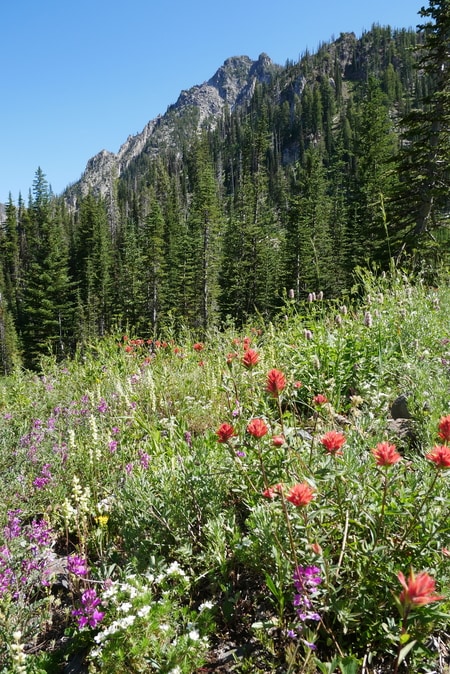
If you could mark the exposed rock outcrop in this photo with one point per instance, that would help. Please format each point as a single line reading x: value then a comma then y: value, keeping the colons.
x: 232, y: 84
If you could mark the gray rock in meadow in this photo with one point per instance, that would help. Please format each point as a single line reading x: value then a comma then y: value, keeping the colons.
x: 399, y: 408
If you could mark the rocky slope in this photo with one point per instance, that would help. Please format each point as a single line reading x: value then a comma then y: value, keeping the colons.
x: 231, y: 85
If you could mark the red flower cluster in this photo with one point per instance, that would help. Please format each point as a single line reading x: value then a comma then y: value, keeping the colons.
x: 444, y: 428
x: 250, y: 358
x: 278, y: 440
x: 276, y: 382
x: 320, y: 399
x: 225, y: 432
x: 246, y: 343
x: 271, y: 492
x: 257, y: 428
x: 300, y: 494
x: 440, y: 456
x: 386, y: 454
x: 417, y: 590
x: 198, y: 346
x: 333, y: 441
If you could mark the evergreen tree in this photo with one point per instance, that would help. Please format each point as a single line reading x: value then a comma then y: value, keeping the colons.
x: 374, y: 180
x: 308, y: 247
x: 91, y: 266
x: 203, y: 243
x: 425, y: 157
x: 9, y: 344
x: 154, y: 264
x: 47, y: 312
x: 10, y: 257
x: 129, y: 295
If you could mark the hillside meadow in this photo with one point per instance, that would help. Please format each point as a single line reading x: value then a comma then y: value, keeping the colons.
x: 271, y: 499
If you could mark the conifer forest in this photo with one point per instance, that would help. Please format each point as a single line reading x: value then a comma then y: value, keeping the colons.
x: 287, y: 194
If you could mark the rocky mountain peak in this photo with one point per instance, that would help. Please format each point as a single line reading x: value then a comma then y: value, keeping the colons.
x: 231, y: 85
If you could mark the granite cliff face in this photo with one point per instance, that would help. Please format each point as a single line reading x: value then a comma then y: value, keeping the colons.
x: 231, y: 85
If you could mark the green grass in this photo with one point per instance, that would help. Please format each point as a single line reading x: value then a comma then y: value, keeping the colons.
x: 113, y: 457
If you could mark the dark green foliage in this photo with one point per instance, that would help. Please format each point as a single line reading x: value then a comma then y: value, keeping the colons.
x: 46, y: 313
x: 91, y: 263
x: 424, y: 163
x: 9, y: 345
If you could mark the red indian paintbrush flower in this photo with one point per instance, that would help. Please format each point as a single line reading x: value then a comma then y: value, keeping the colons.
x: 444, y: 428
x: 271, y: 492
x: 278, y: 440
x: 300, y: 494
x: 257, y: 428
x: 417, y: 590
x: 250, y: 358
x: 198, y: 346
x: 440, y: 456
x: 276, y: 382
x: 225, y: 432
x: 386, y: 454
x: 320, y: 399
x: 333, y: 441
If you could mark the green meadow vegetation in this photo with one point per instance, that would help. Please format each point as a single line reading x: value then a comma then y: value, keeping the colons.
x: 243, y: 503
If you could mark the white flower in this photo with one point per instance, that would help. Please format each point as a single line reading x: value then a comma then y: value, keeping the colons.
x: 205, y: 605
x: 125, y: 607
x: 143, y: 611
x: 194, y: 635
x: 127, y: 621
x: 175, y: 569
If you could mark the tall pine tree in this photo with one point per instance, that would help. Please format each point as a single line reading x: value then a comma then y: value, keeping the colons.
x: 425, y: 157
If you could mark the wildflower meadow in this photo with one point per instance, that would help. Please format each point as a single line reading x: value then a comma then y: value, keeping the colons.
x: 238, y: 501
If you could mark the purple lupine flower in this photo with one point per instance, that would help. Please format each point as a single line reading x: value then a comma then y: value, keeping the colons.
x: 77, y: 565
x: 40, y: 532
x: 88, y: 614
x: 306, y: 580
x: 112, y: 445
x: 7, y: 580
x: 310, y: 645
x: 51, y: 422
x: 44, y: 478
x: 13, y: 528
x: 102, y: 407
x: 144, y: 459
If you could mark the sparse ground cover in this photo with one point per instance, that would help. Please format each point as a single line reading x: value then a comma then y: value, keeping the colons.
x: 242, y: 503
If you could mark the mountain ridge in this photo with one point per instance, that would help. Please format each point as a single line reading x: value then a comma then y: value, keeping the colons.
x: 231, y: 85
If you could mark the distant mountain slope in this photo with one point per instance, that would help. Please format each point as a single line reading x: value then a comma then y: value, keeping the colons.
x: 232, y: 85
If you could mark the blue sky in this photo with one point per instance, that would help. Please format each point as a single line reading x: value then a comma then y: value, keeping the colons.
x: 79, y: 77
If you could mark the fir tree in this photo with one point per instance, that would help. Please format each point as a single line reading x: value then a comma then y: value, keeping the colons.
x: 47, y: 311
x: 425, y: 157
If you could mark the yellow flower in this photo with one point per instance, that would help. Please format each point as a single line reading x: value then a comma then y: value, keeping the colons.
x: 102, y: 520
